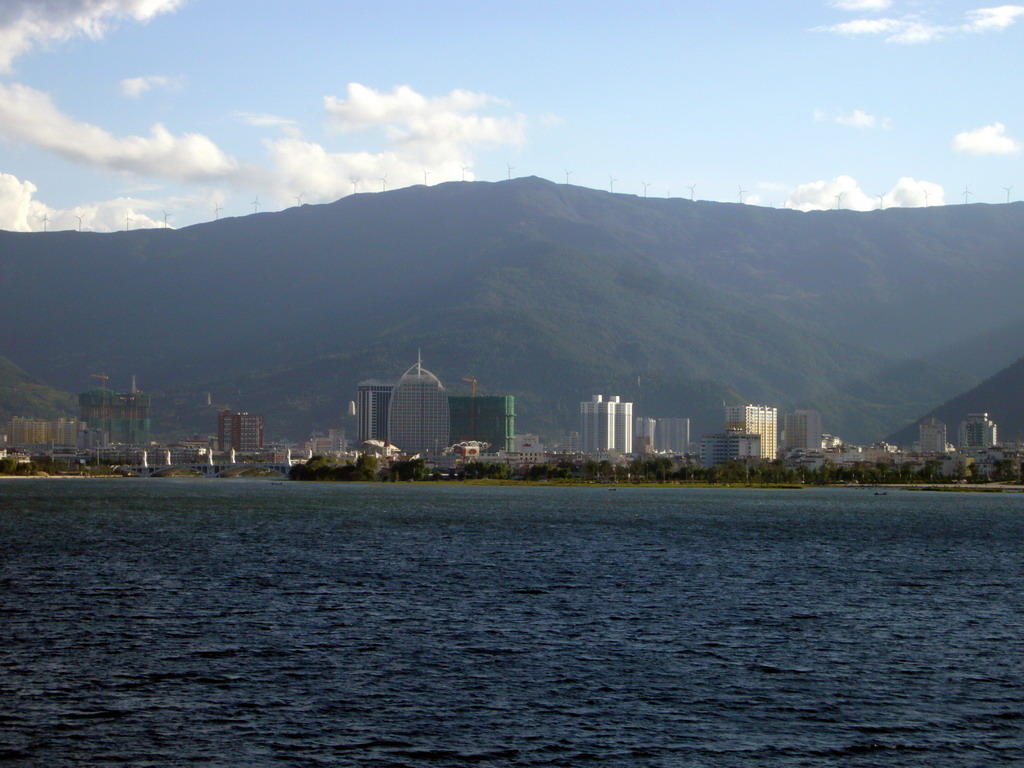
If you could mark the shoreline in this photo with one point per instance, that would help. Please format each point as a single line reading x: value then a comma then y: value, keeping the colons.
x: 879, y: 490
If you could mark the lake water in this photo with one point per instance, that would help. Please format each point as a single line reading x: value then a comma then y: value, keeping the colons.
x: 244, y: 623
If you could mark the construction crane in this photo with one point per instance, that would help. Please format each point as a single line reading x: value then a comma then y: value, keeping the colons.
x: 104, y: 411
x: 472, y: 407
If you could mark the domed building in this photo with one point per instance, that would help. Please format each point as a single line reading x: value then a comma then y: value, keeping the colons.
x: 418, y: 419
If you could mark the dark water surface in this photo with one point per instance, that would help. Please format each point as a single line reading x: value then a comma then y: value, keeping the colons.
x: 240, y: 623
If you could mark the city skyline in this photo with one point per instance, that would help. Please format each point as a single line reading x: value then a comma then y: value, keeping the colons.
x: 809, y: 107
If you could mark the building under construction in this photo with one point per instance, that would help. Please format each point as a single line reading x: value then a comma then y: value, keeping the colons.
x: 485, y: 418
x: 124, y: 416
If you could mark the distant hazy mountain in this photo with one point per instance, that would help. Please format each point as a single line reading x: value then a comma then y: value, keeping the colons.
x: 999, y: 396
x: 546, y: 291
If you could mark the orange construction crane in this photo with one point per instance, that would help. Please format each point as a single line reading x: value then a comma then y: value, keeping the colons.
x: 104, y: 411
x: 472, y: 407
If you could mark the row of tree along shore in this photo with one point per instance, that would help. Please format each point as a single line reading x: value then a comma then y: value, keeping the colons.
x: 651, y: 470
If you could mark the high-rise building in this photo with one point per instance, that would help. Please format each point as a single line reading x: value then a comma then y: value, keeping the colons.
x: 124, y: 416
x: 672, y: 435
x: 606, y: 425
x: 978, y: 431
x: 802, y: 430
x: 239, y: 431
x: 23, y: 431
x: 758, y: 420
x: 418, y: 417
x: 373, y: 400
x: 486, y: 418
x: 728, y: 446
x: 933, y: 436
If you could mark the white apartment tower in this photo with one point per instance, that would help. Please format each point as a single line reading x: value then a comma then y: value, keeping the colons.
x: 802, y: 430
x: 760, y: 420
x: 978, y: 431
x: 606, y: 425
x: 933, y: 436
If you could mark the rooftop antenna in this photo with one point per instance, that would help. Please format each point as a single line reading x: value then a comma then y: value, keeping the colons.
x: 79, y: 222
x: 384, y: 183
x: 691, y: 188
x: 568, y: 173
x: 419, y: 361
x: 967, y: 192
x: 45, y: 220
x: 298, y: 198
x: 741, y: 194
x: 611, y: 184
x: 256, y: 204
x: 1008, y: 193
x: 510, y: 169
x: 216, y: 212
x: 166, y: 214
x: 646, y: 185
x: 425, y: 174
x: 127, y: 220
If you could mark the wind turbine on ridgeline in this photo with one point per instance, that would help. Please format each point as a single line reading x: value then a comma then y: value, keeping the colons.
x: 45, y: 218
x: 927, y: 196
x: 298, y: 198
x: 839, y: 200
x: 166, y: 215
x: 881, y: 202
x: 568, y: 173
x: 464, y: 169
x: 79, y: 222
x: 256, y: 204
x: 510, y: 169
x: 384, y: 183
x: 741, y: 194
x: 611, y: 184
x: 646, y: 185
x: 691, y: 188
x: 355, y: 183
x: 1007, y: 190
x: 216, y: 212
x: 127, y: 221
x: 425, y: 174
x: 967, y: 193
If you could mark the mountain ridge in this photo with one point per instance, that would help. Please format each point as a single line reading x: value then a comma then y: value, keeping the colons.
x: 511, y: 282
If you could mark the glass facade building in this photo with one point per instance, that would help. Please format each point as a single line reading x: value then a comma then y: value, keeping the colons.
x: 486, y: 418
x: 418, y: 416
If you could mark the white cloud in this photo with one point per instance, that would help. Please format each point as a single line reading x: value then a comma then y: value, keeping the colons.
x: 21, y: 212
x: 30, y: 116
x: 25, y: 23
x: 844, y: 192
x: 913, y: 29
x: 429, y: 130
x: 987, y: 140
x: 18, y: 211
x: 134, y: 87
x: 858, y: 118
x: 993, y: 19
x: 861, y: 5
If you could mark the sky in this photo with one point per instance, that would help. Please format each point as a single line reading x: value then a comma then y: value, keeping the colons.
x: 124, y: 114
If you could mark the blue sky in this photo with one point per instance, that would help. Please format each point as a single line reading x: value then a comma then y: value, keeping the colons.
x: 130, y: 109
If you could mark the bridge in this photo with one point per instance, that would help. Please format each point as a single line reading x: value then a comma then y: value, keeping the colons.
x: 209, y: 468
x: 217, y: 469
